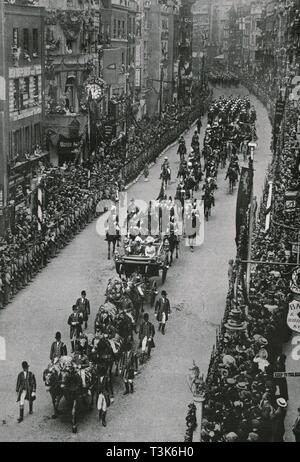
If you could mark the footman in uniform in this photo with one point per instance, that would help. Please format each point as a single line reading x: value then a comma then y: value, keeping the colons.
x: 26, y: 389
x: 83, y: 305
x: 146, y: 334
x: 75, y: 321
x: 58, y: 348
x: 162, y: 311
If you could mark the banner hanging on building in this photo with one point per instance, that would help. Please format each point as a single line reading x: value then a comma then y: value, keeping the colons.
x: 243, y: 199
x: 112, y: 59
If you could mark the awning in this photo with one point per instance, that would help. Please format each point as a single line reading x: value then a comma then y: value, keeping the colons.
x: 219, y: 57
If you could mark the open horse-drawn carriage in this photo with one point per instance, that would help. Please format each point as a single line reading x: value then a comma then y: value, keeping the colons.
x: 129, y: 262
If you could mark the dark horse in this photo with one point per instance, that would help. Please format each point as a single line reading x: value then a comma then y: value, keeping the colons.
x: 52, y: 379
x: 68, y: 383
x: 74, y: 392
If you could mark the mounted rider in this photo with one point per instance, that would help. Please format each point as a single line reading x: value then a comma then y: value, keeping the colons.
x: 165, y: 165
x: 181, y: 148
x: 195, y: 140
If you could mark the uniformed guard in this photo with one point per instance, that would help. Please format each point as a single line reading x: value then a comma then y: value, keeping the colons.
x: 26, y: 389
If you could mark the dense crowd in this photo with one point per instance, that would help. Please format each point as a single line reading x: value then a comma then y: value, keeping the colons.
x: 244, y: 401
x: 70, y: 195
x: 224, y: 78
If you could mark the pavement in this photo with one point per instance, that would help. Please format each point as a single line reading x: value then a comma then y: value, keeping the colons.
x: 196, y: 284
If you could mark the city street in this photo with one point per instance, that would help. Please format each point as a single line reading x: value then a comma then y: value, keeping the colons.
x: 196, y: 285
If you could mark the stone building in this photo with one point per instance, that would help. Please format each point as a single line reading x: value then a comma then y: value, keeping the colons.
x: 23, y: 105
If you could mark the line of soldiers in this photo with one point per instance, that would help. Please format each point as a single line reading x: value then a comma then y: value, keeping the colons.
x: 18, y: 268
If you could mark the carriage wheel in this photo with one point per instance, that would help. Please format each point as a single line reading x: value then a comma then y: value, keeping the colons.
x: 164, y: 275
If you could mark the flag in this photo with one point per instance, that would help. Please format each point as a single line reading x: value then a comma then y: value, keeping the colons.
x: 112, y: 58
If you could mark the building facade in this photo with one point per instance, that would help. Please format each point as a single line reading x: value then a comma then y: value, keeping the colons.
x: 24, y: 104
x: 185, y: 50
x: 73, y: 44
x: 159, y: 55
x: 201, y: 11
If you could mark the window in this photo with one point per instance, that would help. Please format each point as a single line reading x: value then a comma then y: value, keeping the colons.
x: 123, y: 57
x: 26, y: 40
x: 16, y: 37
x: 21, y: 94
x: 133, y: 25
x: 37, y: 134
x: 27, y: 139
x: 123, y: 29
x: 25, y: 92
x: 69, y: 45
x: 35, y: 88
x: 35, y: 41
x: 119, y: 29
x: 115, y: 28
x: 17, y: 142
x: 129, y: 25
x: 16, y: 95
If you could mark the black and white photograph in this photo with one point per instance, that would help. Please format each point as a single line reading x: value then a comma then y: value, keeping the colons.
x: 149, y: 223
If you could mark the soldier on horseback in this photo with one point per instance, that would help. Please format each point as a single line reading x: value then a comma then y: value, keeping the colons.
x: 181, y: 148
x: 165, y: 174
x: 195, y: 141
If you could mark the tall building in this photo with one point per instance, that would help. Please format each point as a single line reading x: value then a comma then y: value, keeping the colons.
x: 22, y: 102
x: 159, y: 54
x: 73, y: 43
x: 119, y: 63
x: 3, y: 124
x: 185, y: 68
x: 201, y: 11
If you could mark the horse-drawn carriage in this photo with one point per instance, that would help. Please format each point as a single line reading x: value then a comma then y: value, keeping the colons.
x: 129, y: 262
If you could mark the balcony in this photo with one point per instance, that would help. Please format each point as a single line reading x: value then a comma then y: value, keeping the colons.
x: 17, y: 165
x: 65, y: 124
x: 104, y: 39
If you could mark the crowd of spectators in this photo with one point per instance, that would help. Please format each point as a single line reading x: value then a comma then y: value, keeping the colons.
x: 244, y: 400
